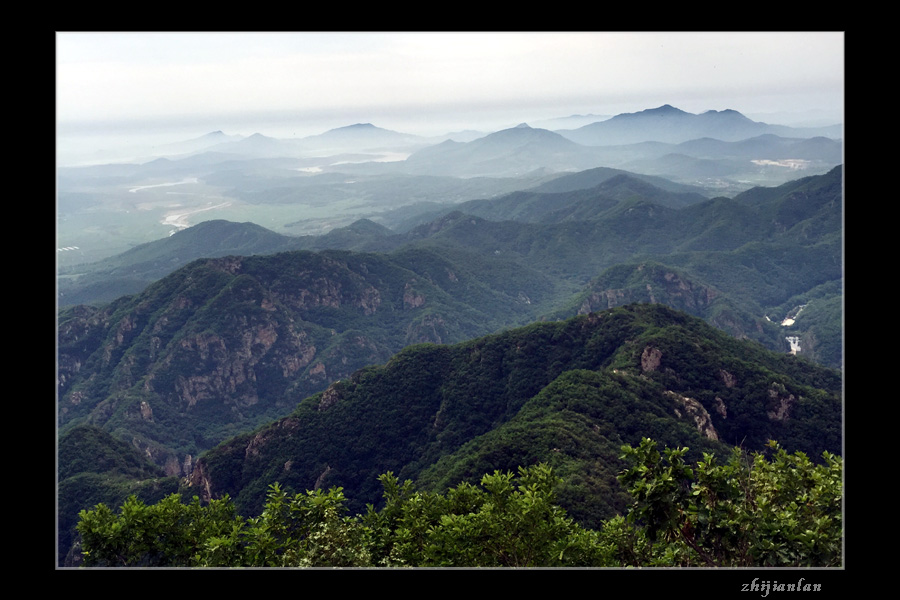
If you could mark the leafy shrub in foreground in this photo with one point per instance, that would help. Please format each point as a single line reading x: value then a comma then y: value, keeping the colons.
x: 782, y: 510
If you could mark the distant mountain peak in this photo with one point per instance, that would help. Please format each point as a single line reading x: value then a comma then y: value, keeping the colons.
x: 728, y: 112
x: 522, y: 126
x: 211, y: 136
x: 355, y: 126
x: 666, y: 109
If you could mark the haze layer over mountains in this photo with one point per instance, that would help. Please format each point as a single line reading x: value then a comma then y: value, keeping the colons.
x: 317, y: 183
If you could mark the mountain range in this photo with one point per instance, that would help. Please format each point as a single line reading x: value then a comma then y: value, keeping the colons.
x: 256, y: 333
x: 673, y: 145
x: 671, y: 125
x: 566, y: 393
x: 513, y: 298
x: 665, y: 124
x: 316, y: 184
x: 132, y: 270
x: 613, y: 142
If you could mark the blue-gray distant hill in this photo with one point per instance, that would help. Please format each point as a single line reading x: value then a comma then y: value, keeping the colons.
x: 509, y: 152
x: 361, y: 137
x: 672, y: 125
x: 724, y: 147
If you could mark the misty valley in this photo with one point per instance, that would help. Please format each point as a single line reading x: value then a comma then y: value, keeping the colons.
x: 237, y: 312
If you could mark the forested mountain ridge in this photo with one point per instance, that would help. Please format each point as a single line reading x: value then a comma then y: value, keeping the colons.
x: 266, y: 326
x: 303, y: 319
x: 223, y: 344
x: 619, y: 217
x: 567, y: 393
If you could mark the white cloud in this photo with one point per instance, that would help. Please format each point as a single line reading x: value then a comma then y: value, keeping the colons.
x: 146, y: 75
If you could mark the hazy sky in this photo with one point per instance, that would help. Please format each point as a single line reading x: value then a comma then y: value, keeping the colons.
x: 428, y: 83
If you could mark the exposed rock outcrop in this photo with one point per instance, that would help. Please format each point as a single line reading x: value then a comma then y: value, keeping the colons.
x: 695, y: 411
x: 651, y: 358
x: 780, y: 402
x: 330, y: 396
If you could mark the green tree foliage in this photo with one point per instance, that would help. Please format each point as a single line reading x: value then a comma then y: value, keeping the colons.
x: 301, y: 531
x: 509, y: 521
x: 306, y: 530
x: 166, y: 534
x: 781, y: 510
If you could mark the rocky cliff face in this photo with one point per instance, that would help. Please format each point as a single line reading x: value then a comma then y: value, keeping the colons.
x: 225, y: 344
x: 697, y: 413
